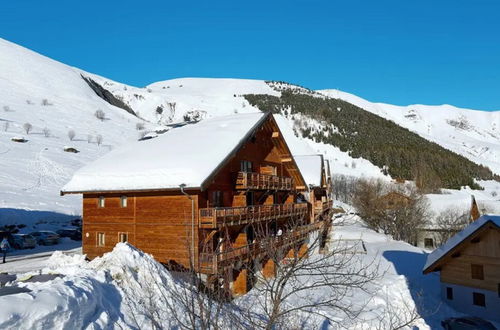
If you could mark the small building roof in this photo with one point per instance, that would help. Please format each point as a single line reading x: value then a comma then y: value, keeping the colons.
x: 454, y: 242
x: 311, y: 167
x: 187, y: 155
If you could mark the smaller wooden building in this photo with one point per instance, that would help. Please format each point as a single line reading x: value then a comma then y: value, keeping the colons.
x: 469, y: 268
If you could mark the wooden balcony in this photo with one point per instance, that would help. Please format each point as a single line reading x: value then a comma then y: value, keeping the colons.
x: 230, y: 216
x: 320, y: 207
x: 212, y: 263
x: 257, y: 181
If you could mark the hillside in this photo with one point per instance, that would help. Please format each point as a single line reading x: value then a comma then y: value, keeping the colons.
x: 401, y: 152
x: 473, y: 134
x: 54, y: 99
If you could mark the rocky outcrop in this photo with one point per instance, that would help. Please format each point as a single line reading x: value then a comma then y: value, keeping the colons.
x: 107, y: 96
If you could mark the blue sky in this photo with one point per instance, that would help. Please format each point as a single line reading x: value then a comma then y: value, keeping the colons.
x: 401, y: 52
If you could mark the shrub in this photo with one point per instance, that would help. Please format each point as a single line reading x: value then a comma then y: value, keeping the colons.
x: 45, y: 102
x: 99, y: 114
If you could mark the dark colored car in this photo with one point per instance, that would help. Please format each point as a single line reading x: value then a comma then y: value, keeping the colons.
x: 24, y: 241
x: 467, y: 323
x: 45, y: 237
x: 74, y: 234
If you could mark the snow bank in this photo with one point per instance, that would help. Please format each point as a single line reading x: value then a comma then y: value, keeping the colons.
x: 92, y: 294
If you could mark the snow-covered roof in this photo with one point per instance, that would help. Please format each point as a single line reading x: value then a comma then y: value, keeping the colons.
x: 454, y: 241
x: 186, y: 155
x: 311, y: 168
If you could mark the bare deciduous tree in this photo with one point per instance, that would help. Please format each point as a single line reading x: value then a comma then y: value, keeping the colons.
x: 6, y: 108
x: 400, y: 218
x: 449, y: 222
x: 6, y: 125
x: 139, y: 126
x: 46, y: 102
x: 46, y: 132
x: 27, y: 127
x: 71, y: 134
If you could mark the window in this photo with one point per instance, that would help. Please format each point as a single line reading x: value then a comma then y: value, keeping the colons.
x: 123, y: 237
x: 100, y: 203
x: 123, y: 201
x: 428, y: 243
x: 250, y: 198
x: 449, y: 293
x: 245, y: 166
x: 478, y: 299
x: 217, y: 199
x: 100, y: 239
x: 477, y: 272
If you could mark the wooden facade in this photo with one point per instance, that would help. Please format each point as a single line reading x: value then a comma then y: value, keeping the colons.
x: 220, y: 227
x: 470, y: 272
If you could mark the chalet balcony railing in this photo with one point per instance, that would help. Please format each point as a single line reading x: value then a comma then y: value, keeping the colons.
x: 212, y: 262
x: 257, y: 181
x: 230, y: 216
x: 323, y: 206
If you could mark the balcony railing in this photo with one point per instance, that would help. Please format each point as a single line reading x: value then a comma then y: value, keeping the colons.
x: 323, y: 206
x: 212, y: 262
x: 230, y: 216
x: 257, y: 181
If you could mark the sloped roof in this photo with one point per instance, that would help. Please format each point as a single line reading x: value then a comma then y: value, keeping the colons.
x: 187, y: 155
x: 311, y: 167
x: 456, y: 240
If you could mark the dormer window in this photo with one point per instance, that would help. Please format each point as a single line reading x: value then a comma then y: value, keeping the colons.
x: 101, y: 202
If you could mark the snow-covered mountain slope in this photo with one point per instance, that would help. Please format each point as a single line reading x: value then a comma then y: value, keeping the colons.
x: 53, y: 99
x: 471, y: 133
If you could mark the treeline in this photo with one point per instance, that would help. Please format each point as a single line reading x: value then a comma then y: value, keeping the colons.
x: 400, y: 152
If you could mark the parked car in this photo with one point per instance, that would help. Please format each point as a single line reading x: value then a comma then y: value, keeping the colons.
x: 45, y: 237
x: 74, y: 234
x: 467, y: 323
x: 24, y: 241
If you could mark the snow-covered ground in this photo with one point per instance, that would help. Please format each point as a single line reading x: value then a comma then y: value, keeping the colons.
x: 109, y: 290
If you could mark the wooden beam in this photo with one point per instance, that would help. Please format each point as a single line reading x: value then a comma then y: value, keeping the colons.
x: 286, y: 160
x: 275, y: 134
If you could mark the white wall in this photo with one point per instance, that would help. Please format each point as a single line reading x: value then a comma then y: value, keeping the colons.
x: 462, y: 301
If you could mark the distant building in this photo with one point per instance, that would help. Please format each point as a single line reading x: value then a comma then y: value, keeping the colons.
x: 429, y: 237
x: 469, y: 267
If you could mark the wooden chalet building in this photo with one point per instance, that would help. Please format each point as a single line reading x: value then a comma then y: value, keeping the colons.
x: 206, y: 196
x: 469, y: 268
